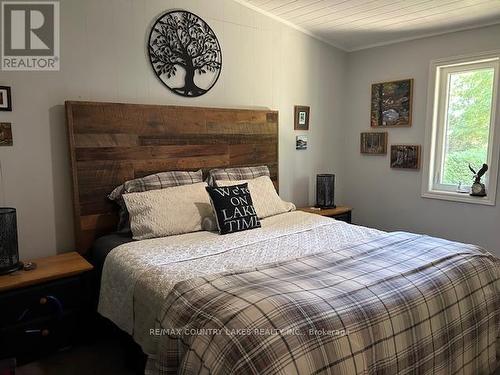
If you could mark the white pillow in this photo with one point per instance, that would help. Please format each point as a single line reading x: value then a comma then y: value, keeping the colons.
x: 264, y: 197
x: 165, y: 212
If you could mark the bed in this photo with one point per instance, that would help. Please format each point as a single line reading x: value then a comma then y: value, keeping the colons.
x: 303, y: 294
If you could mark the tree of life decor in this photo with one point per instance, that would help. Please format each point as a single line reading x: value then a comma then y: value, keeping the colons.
x: 185, y: 53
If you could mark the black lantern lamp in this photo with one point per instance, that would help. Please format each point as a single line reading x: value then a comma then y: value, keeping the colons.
x: 325, y: 191
x: 9, y: 255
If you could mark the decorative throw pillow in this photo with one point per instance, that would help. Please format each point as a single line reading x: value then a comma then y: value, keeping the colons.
x: 155, y: 181
x: 233, y: 208
x: 169, y: 211
x: 264, y: 196
x: 236, y: 174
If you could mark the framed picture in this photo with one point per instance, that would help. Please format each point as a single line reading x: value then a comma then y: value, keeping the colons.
x: 301, y: 142
x: 391, y: 104
x: 374, y: 143
x: 301, y: 116
x: 5, y: 134
x: 5, y: 99
x: 405, y: 156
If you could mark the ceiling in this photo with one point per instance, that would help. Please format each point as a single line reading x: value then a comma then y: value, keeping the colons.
x: 358, y: 24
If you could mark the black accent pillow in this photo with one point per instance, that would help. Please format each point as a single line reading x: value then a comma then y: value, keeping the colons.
x: 233, y: 208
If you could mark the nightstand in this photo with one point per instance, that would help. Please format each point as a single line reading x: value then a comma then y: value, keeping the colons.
x: 44, y: 309
x: 341, y: 213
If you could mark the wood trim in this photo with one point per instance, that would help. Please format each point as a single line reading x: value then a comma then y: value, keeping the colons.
x: 48, y: 269
x: 114, y: 142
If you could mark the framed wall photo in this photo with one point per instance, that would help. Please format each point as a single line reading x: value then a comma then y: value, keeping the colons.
x: 6, y: 134
x: 301, y: 142
x: 391, y: 104
x: 301, y: 116
x: 374, y: 143
x: 405, y: 156
x: 5, y: 99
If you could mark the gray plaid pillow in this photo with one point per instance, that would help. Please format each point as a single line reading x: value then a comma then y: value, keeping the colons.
x: 152, y: 182
x: 236, y: 174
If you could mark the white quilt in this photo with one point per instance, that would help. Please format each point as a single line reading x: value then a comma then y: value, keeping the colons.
x: 138, y: 276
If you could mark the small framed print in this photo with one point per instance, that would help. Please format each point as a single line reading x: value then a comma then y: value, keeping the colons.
x: 301, y: 142
x: 301, y: 116
x: 374, y: 143
x: 5, y: 99
x: 5, y: 134
x: 405, y: 156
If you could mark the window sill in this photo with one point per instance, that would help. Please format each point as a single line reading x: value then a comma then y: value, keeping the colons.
x: 459, y: 197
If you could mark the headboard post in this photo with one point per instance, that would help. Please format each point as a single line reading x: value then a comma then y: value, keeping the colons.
x: 112, y: 142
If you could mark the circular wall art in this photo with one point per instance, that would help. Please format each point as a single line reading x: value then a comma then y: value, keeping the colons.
x: 185, y: 53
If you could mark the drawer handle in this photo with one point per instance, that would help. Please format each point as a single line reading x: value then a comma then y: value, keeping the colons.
x: 44, y: 332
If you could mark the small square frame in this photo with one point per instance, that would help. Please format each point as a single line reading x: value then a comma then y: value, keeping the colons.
x: 5, y: 99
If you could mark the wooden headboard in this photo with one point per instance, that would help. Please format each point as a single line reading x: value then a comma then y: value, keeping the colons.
x: 111, y: 143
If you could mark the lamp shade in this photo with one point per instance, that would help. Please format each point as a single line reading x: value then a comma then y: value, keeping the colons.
x: 325, y: 190
x: 9, y: 255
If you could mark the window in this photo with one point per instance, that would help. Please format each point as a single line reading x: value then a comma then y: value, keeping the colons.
x: 461, y: 127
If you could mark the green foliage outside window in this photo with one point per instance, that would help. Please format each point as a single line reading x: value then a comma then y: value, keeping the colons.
x: 468, y: 125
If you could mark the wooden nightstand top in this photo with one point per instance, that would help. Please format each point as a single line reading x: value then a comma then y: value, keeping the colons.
x: 339, y: 210
x: 50, y: 268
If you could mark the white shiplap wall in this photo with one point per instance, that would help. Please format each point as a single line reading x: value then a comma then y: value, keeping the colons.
x: 103, y: 46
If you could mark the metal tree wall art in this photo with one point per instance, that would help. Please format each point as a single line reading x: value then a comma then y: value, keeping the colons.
x: 185, y: 53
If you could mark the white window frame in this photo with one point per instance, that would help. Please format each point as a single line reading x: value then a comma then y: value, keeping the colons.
x: 434, y: 133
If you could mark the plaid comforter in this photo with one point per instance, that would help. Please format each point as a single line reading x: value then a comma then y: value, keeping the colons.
x: 398, y: 304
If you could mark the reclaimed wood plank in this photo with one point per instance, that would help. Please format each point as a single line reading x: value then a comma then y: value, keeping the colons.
x: 114, y: 142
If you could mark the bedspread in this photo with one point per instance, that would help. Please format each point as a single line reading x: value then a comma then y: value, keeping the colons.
x: 138, y: 276
x: 395, y: 304
x: 306, y: 294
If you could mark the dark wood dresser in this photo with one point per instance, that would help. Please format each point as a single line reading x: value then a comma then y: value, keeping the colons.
x: 45, y: 309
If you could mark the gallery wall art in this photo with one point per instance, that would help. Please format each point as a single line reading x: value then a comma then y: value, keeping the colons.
x: 405, y: 156
x: 301, y: 117
x: 391, y: 104
x: 374, y: 143
x: 301, y: 142
x: 6, y: 134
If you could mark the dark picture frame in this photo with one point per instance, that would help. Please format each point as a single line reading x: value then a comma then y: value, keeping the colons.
x: 392, y: 104
x: 374, y: 143
x: 301, y: 117
x: 406, y: 156
x: 5, y: 99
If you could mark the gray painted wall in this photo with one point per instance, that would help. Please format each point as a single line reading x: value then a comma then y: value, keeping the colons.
x: 390, y: 199
x: 266, y: 64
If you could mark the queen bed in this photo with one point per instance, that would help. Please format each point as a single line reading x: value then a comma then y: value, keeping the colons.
x: 302, y: 294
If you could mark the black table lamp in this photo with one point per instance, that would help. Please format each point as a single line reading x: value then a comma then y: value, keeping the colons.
x: 9, y: 255
x: 325, y: 191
